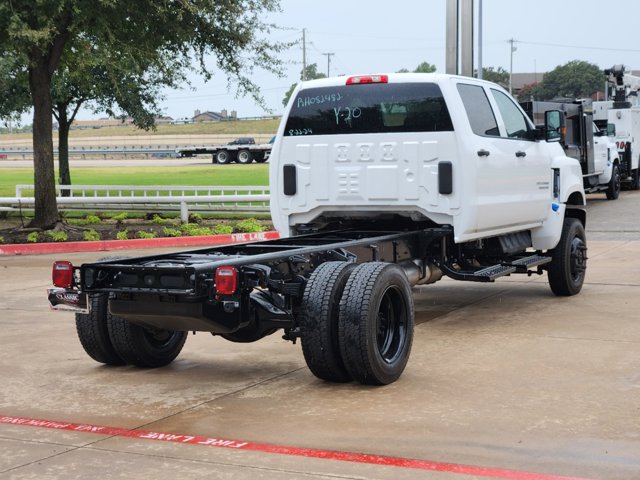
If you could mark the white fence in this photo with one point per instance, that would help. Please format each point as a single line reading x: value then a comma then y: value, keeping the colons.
x: 183, y: 199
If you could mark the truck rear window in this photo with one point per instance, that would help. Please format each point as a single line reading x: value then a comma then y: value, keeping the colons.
x: 369, y: 108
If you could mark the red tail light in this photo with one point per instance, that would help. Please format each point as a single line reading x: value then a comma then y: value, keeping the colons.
x: 226, y: 280
x: 62, y: 274
x: 367, y: 79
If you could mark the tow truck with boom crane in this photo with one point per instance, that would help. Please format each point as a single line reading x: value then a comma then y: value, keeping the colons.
x: 622, y: 114
x: 378, y: 183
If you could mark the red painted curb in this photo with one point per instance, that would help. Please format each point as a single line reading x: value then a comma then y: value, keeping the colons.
x: 108, y: 245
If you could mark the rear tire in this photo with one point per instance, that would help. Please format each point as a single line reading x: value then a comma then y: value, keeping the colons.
x: 319, y: 321
x: 93, y: 332
x: 613, y: 190
x: 144, y: 347
x: 223, y: 157
x: 568, y: 267
x: 244, y: 157
x: 376, y: 323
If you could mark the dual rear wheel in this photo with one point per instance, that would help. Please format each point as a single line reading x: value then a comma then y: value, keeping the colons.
x: 112, y: 340
x: 357, y: 322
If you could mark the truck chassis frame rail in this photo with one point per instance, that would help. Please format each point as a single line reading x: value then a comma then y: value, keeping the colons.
x: 246, y: 292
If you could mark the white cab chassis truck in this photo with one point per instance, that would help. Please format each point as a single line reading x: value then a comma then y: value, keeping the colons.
x: 379, y: 183
x: 584, y: 141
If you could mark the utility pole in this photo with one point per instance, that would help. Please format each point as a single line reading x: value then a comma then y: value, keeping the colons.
x: 513, y: 49
x: 328, y: 63
x: 304, y: 54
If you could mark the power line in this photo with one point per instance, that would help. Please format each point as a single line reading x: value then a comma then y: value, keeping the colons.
x: 558, y: 45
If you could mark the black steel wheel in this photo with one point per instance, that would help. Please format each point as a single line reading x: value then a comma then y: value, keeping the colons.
x: 223, y: 157
x: 142, y: 346
x: 244, y: 157
x: 319, y: 321
x: 376, y: 323
x: 93, y: 332
x: 568, y: 267
x: 613, y: 190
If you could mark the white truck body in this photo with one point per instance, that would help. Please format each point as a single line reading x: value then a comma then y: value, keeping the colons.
x: 502, y: 180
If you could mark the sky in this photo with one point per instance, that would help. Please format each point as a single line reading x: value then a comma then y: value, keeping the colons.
x: 376, y: 36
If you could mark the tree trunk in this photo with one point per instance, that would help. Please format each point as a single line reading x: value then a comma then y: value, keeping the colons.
x: 64, y: 124
x: 46, y: 207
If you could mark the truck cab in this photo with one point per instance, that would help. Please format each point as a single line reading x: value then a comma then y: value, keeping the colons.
x: 439, y: 149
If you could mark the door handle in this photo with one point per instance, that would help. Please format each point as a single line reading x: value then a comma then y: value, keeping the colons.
x: 483, y: 153
x: 521, y: 154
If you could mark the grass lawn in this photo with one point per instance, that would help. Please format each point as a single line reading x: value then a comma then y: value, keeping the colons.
x: 209, y: 175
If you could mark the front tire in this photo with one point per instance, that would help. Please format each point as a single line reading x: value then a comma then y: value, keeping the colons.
x: 319, y: 321
x: 144, y: 347
x: 613, y: 190
x: 635, y: 179
x: 376, y: 323
x: 568, y: 266
x: 94, y: 334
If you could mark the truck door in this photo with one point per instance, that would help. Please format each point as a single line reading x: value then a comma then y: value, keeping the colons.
x: 513, y: 170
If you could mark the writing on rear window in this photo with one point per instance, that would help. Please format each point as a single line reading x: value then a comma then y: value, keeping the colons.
x: 300, y: 131
x: 379, y: 108
x: 306, y: 100
x: 346, y: 114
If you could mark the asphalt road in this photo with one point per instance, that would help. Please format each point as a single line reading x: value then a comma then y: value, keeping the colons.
x: 504, y: 381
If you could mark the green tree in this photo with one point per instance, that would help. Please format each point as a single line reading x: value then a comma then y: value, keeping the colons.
x: 425, y: 67
x: 178, y: 32
x: 496, y: 75
x: 14, y: 91
x: 90, y: 75
x: 574, y: 79
x: 309, y: 73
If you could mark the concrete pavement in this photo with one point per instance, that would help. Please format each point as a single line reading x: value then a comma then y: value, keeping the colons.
x: 504, y: 381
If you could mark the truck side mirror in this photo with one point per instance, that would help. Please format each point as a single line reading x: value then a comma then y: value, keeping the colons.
x: 611, y: 129
x: 552, y: 125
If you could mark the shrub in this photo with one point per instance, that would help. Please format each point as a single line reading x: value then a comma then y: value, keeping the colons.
x: 171, y: 232
x: 193, y: 230
x: 1, y: 239
x: 222, y: 229
x: 58, y: 236
x: 88, y: 220
x: 120, y: 217
x: 195, y: 218
x: 249, y: 225
x: 32, y: 237
x: 143, y: 234
x: 91, y: 236
x: 122, y: 235
x: 158, y: 220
